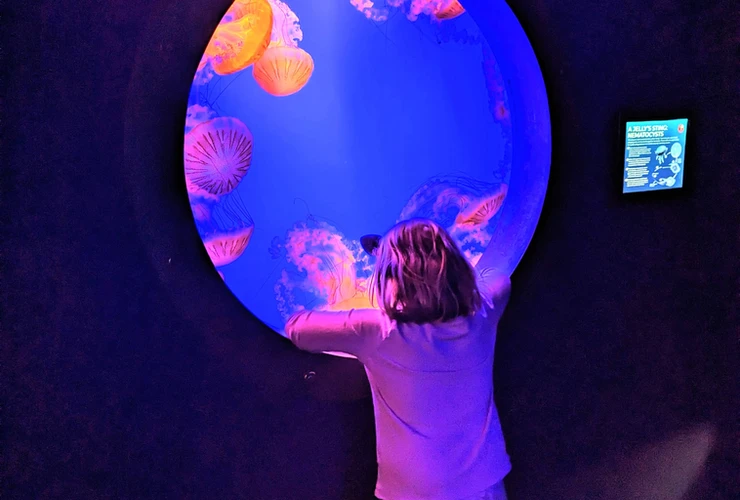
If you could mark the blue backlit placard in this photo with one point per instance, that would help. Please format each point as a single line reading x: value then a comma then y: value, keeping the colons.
x: 654, y: 155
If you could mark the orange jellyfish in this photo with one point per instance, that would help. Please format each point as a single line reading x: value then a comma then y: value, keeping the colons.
x: 284, y: 68
x: 283, y: 71
x: 246, y: 8
x: 477, y: 214
x: 449, y: 11
x: 218, y: 154
x: 359, y: 301
x: 241, y: 39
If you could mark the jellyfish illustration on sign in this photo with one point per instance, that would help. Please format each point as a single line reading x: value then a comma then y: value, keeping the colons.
x: 665, y: 175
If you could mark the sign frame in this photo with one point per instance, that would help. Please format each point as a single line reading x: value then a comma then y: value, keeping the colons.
x: 689, y: 157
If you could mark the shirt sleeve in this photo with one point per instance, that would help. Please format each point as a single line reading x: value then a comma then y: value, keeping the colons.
x: 352, y: 332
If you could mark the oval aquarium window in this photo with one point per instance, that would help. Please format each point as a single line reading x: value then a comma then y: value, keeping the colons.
x: 310, y: 124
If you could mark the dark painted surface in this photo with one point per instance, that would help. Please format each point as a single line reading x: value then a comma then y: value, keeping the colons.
x: 128, y: 369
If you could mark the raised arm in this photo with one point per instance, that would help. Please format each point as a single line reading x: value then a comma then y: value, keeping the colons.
x: 352, y: 332
x: 495, y: 288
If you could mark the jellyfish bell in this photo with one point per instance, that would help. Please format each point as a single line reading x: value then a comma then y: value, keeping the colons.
x: 482, y: 211
x: 218, y: 154
x: 449, y: 10
x: 283, y: 70
x: 198, y: 194
x: 241, y: 38
x: 256, y: 9
x: 224, y: 225
x: 225, y: 248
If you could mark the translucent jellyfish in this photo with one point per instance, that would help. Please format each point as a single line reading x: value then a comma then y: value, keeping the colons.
x: 197, y: 114
x: 218, y: 154
x: 418, y: 7
x: 480, y: 211
x: 242, y: 36
x: 449, y: 10
x: 368, y: 9
x: 204, y: 73
x: 286, y: 30
x: 224, y: 225
x: 283, y: 71
x: 465, y: 207
x: 495, y: 87
x: 436, y: 9
x: 452, y: 32
x: 324, y: 270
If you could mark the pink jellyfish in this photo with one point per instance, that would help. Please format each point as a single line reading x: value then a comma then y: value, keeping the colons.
x: 224, y: 225
x: 324, y: 269
x: 218, y: 154
x: 225, y: 248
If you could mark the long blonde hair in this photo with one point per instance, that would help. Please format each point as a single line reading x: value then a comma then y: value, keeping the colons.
x: 421, y: 276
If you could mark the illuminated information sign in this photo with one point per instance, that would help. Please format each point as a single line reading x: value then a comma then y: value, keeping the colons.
x: 654, y: 155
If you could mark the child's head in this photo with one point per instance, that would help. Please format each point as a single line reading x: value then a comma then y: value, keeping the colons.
x: 421, y: 276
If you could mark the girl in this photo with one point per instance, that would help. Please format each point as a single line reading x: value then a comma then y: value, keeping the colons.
x: 428, y: 354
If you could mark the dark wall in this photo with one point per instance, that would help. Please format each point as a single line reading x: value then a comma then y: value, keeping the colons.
x: 128, y: 369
